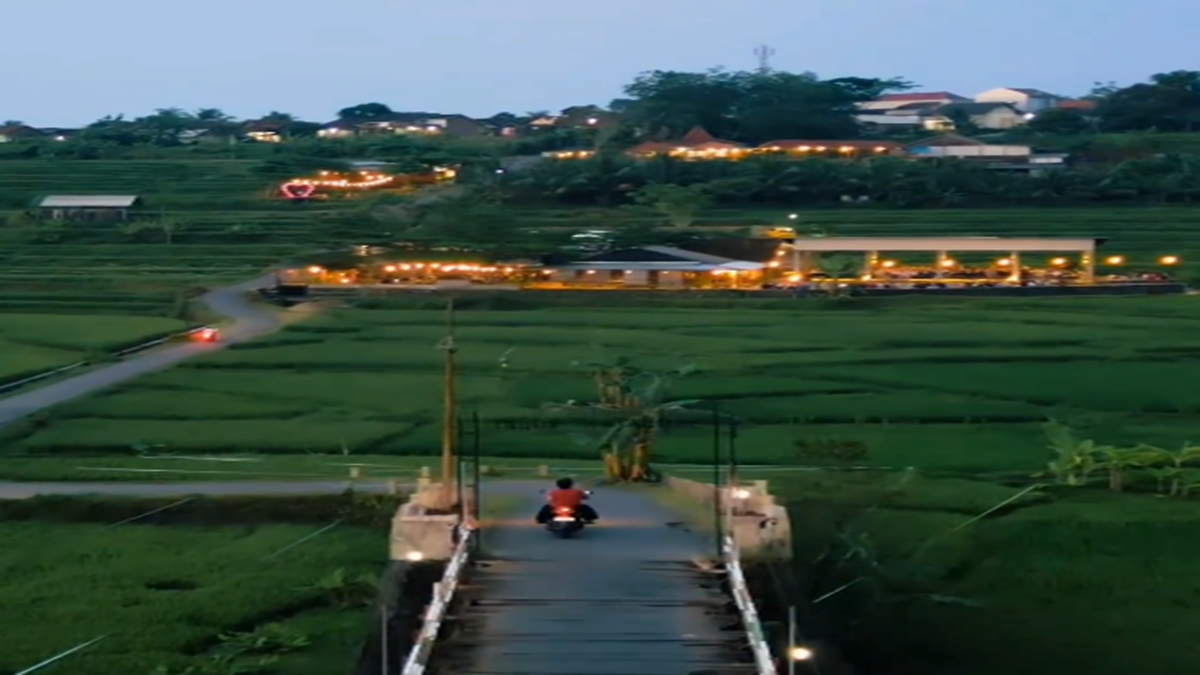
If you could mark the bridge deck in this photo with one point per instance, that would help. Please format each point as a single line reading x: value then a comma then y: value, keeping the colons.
x: 624, y: 598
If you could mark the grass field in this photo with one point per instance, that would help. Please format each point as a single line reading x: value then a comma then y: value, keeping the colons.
x: 34, y: 343
x: 938, y: 385
x: 1082, y: 580
x: 957, y: 389
x: 172, y: 596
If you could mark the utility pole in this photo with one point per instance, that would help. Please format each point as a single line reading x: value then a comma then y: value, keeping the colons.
x: 764, y: 53
x: 449, y: 410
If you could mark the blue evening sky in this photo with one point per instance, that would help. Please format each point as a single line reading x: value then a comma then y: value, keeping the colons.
x: 68, y: 62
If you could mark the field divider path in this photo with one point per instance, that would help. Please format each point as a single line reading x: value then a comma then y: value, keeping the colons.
x: 249, y: 321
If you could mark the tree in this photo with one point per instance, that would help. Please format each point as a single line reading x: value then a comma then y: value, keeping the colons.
x: 365, y: 111
x: 1059, y: 121
x: 749, y: 106
x: 1169, y: 102
x: 680, y: 204
x: 668, y: 103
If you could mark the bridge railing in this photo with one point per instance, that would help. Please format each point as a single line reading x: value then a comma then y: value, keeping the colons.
x: 749, y: 612
x: 435, y: 613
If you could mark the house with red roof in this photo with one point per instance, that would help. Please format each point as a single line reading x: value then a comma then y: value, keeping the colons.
x: 696, y: 144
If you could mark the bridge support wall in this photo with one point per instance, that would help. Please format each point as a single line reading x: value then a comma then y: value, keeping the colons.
x: 760, y: 528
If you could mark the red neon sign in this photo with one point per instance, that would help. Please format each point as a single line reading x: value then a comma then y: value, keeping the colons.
x: 298, y: 190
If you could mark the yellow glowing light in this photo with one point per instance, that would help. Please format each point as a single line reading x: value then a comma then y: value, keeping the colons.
x: 1004, y: 262
x: 390, y: 268
x: 800, y: 653
x: 794, y: 278
x: 1059, y: 261
x: 948, y: 262
x: 591, y: 271
x: 1169, y: 259
x: 406, y: 267
x: 888, y: 263
x: 508, y: 270
x: 1115, y: 260
x: 773, y: 263
x: 315, y: 270
x: 344, y: 280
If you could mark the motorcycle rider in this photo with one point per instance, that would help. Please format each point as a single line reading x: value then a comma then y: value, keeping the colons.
x: 570, y: 497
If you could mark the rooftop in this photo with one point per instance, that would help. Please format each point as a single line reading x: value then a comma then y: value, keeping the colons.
x: 88, y: 201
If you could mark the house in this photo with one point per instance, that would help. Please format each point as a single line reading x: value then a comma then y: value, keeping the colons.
x: 1023, y: 99
x: 668, y: 267
x: 58, y: 133
x: 843, y: 149
x: 894, y: 101
x: 87, y: 208
x: 265, y: 132
x: 982, y: 115
x: 696, y: 144
x: 953, y: 146
x: 404, y: 123
x: 586, y: 117
x: 19, y: 132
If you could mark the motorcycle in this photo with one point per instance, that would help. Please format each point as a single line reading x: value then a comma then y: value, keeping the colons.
x: 565, y: 523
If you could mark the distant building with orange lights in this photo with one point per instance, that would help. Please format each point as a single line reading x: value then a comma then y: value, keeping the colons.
x: 698, y: 144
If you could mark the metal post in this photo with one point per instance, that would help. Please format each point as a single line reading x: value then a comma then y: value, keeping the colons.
x: 716, y: 462
x: 791, y: 668
x: 384, y: 666
x: 476, y: 487
x: 733, y: 480
x: 458, y: 477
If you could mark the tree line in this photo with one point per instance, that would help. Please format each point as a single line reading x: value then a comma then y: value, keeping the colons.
x: 751, y: 107
x: 612, y: 180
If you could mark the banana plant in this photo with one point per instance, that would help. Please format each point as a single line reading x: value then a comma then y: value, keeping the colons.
x: 1167, y: 466
x: 1119, y: 462
x: 1074, y: 460
x: 633, y: 398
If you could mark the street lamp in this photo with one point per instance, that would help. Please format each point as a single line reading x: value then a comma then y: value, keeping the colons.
x: 800, y: 654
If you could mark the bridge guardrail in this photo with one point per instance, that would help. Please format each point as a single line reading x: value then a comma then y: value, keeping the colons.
x: 435, y: 613
x: 763, y: 659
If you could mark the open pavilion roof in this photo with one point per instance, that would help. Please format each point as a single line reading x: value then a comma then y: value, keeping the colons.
x: 934, y: 244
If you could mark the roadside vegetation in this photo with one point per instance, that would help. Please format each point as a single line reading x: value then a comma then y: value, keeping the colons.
x: 211, y: 587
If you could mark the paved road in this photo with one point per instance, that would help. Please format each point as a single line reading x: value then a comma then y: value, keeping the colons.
x: 11, y: 490
x: 250, y: 321
x: 625, y: 598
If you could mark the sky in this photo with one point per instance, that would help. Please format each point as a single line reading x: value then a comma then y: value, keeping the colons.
x: 68, y: 62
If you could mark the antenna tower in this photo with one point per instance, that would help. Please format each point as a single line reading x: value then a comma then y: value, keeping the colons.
x: 764, y: 54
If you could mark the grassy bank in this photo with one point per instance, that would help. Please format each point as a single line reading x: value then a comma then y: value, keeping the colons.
x: 1084, y: 580
x: 182, y: 593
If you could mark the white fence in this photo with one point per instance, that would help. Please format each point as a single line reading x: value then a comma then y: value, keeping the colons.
x: 745, y: 604
x: 443, y: 594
